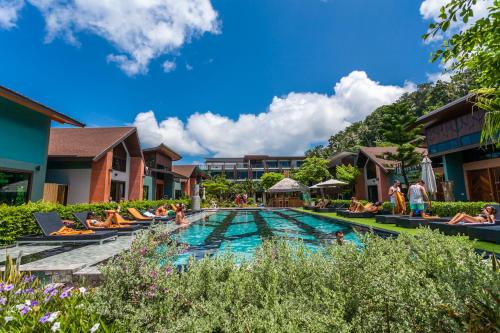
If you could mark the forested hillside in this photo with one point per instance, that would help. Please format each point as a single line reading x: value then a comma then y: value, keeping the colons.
x: 427, y: 97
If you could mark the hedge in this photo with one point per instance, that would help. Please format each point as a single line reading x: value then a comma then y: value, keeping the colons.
x: 440, y: 208
x: 17, y: 221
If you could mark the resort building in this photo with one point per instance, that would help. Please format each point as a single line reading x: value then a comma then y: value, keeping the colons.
x: 189, y: 176
x: 96, y: 164
x: 250, y: 166
x: 24, y: 137
x: 160, y: 181
x: 377, y: 172
x: 453, y: 139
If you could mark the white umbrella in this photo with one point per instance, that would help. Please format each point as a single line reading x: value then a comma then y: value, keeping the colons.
x: 428, y: 175
x: 330, y: 183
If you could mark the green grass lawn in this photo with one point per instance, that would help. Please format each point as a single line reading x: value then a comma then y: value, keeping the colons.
x: 370, y: 222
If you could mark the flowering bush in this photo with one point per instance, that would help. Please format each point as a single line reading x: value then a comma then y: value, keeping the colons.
x: 28, y: 306
x: 423, y: 283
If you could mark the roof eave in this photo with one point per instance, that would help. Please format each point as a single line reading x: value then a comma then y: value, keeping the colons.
x: 38, y: 107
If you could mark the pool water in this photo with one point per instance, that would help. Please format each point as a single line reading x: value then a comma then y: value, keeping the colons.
x: 242, y: 232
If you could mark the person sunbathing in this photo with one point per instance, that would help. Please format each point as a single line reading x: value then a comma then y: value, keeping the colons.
x: 161, y: 211
x: 368, y: 208
x: 354, y: 204
x: 94, y: 222
x: 487, y: 216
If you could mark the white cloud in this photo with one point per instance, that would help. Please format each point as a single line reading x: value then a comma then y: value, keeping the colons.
x: 141, y: 30
x: 189, y: 67
x: 9, y: 10
x: 439, y: 76
x: 429, y: 9
x: 290, y: 125
x: 169, y: 66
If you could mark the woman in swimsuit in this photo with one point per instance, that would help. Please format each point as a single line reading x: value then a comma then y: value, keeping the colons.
x: 487, y: 216
x: 93, y: 222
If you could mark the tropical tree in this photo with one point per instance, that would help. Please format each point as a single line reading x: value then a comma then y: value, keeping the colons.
x: 397, y: 129
x: 347, y: 173
x: 268, y: 179
x: 476, y: 49
x: 217, y: 186
x: 313, y: 170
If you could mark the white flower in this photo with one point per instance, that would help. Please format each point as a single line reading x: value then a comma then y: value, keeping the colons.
x: 94, y: 328
x: 53, y: 316
x: 56, y: 326
x: 82, y: 290
x: 27, y: 302
x: 20, y: 306
x: 7, y: 319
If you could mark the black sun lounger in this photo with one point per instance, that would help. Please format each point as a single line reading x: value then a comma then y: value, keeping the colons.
x: 489, y: 233
x: 417, y: 221
x: 129, y: 230
x: 347, y: 213
x: 463, y: 228
x: 51, y: 222
x: 387, y: 219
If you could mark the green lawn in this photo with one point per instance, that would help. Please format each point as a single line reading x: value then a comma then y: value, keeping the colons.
x: 370, y: 222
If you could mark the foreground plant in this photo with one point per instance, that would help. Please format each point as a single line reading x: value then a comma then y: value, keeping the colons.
x: 424, y: 283
x: 28, y: 306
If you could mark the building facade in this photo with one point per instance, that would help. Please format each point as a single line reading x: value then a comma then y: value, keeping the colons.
x: 453, y: 135
x: 189, y: 176
x: 24, y: 136
x: 250, y: 166
x: 96, y: 164
x: 377, y: 172
x: 158, y: 162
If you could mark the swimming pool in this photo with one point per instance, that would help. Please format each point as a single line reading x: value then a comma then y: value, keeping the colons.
x: 242, y: 232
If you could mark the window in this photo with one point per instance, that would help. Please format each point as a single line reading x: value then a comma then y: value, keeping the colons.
x: 145, y: 192
x: 14, y: 187
x: 119, y: 158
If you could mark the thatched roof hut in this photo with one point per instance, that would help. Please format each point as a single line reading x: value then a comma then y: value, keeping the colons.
x: 287, y: 185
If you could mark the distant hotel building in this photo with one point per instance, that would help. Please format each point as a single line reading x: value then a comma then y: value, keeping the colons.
x: 250, y: 166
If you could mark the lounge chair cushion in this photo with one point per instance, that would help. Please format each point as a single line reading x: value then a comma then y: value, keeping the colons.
x: 485, y: 233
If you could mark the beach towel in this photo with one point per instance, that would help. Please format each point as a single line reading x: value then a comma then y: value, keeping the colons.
x: 400, y: 203
x: 66, y: 231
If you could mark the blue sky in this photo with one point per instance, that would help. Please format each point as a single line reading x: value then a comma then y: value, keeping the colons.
x: 273, y: 60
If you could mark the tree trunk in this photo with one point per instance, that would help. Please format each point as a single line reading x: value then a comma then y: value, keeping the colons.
x: 405, y: 176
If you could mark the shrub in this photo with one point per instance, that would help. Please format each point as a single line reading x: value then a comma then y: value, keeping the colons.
x: 16, y: 221
x: 28, y: 306
x: 422, y: 283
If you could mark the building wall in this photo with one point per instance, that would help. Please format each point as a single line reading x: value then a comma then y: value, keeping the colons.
x: 24, y: 137
x: 383, y: 184
x: 78, y: 181
x: 453, y: 170
x: 100, y: 183
x: 361, y: 186
x: 136, y: 178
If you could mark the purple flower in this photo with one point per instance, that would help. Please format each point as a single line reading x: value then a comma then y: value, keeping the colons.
x: 34, y: 303
x: 52, y: 294
x: 3, y: 300
x: 66, y: 292
x: 44, y: 318
x: 8, y: 287
x: 168, y: 270
x: 143, y: 251
x: 23, y: 308
x: 29, y: 278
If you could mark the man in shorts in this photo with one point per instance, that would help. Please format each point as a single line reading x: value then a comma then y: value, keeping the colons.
x: 418, y: 196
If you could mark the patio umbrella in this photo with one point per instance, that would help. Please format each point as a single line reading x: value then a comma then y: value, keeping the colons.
x: 428, y: 175
x: 330, y: 183
x: 287, y: 185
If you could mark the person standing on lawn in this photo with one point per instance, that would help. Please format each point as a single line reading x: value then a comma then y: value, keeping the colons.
x: 393, y: 190
x: 418, y: 197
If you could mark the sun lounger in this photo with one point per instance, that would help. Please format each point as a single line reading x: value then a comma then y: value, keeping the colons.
x: 51, y: 222
x: 417, y: 221
x: 462, y: 228
x: 347, y: 213
x: 387, y: 219
x: 485, y: 233
x: 124, y: 230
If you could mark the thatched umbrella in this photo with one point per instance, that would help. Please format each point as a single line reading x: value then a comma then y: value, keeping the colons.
x: 287, y: 185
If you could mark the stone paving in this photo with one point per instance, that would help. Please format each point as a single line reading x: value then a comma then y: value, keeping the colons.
x: 80, y: 261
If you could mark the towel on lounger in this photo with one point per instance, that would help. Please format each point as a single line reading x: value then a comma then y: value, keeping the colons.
x: 66, y: 231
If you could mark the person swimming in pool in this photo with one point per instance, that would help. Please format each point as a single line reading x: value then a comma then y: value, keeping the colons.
x: 487, y: 215
x: 339, y: 237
